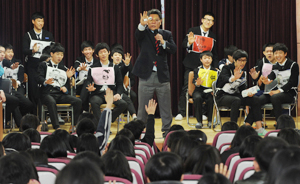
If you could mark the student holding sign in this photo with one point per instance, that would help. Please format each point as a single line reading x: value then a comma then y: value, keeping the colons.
x: 34, y: 41
x: 204, y: 76
x: 54, y: 77
x: 103, y: 75
x: 198, y: 40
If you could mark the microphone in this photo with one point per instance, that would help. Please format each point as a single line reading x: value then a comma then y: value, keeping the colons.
x: 155, y: 32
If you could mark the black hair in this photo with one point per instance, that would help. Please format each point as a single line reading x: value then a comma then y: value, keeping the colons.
x: 230, y: 125
x: 66, y: 137
x: 8, y: 46
x: 57, y: 47
x: 282, y: 160
x: 290, y: 136
x: 174, y: 137
x: 37, y: 15
x: 122, y: 144
x: 89, y: 116
x: 127, y: 133
x: 241, y: 134
x: 116, y: 165
x: 38, y: 156
x: 266, y: 149
x: 117, y: 48
x: 46, y: 50
x: 248, y: 146
x: 33, y: 135
x: 176, y: 127
x: 80, y: 171
x: 229, y: 50
x: 88, y: 142
x: 17, y: 168
x: 239, y: 54
x: 2, y: 152
x: 197, y: 135
x: 29, y: 121
x: 85, y: 44
x: 184, y: 147
x: 202, y: 160
x: 136, y: 127
x: 85, y: 125
x: 289, y: 176
x: 44, y: 57
x: 209, y: 13
x: 164, y: 166
x: 154, y: 11
x: 268, y: 45
x: 206, y: 53
x: 17, y: 141
x: 280, y: 46
x: 54, y: 146
x: 285, y: 121
x: 90, y: 157
x: 214, y: 178
x: 101, y: 46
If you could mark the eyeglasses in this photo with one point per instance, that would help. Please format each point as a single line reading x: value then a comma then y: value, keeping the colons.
x: 209, y: 20
x: 156, y: 20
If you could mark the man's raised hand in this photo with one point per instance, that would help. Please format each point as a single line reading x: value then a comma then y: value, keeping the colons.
x: 144, y: 18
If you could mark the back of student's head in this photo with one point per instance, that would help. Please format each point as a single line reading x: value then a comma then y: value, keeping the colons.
x: 29, y: 121
x: 122, y: 144
x: 176, y: 127
x: 136, y: 127
x: 267, y: 45
x: 101, y: 46
x: 85, y: 125
x: 229, y: 50
x: 66, y: 137
x: 197, y: 135
x: 54, y: 146
x: 266, y: 149
x: 174, y: 137
x: 289, y: 176
x: 90, y: 157
x: 37, y: 15
x: 88, y: 142
x: 202, y: 159
x: 80, y: 172
x: 280, y: 47
x: 33, y: 135
x: 241, y: 134
x: 17, y: 141
x: 116, y: 165
x: 17, y: 168
x: 290, y: 136
x: 285, y: 121
x: 230, y: 125
x: 127, y: 133
x: 248, y: 146
x: 184, y: 147
x: 214, y: 178
x: 57, y: 47
x: 86, y: 44
x: 281, y: 161
x: 239, y: 54
x: 38, y: 156
x: 164, y: 166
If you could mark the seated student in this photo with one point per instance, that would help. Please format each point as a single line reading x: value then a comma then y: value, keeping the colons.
x: 204, y: 76
x: 173, y: 139
x: 137, y: 126
x: 16, y: 142
x: 90, y: 156
x: 16, y: 69
x: 17, y: 168
x: 214, y: 178
x: 85, y: 125
x: 33, y: 135
x: 122, y: 144
x: 39, y: 158
x: 55, y: 89
x: 198, y: 135
x: 247, y: 148
x: 87, y: 142
x: 228, y: 52
x: 290, y: 136
x: 80, y: 171
x: 264, y: 152
x: 184, y: 147
x: 289, y: 176
x: 176, y: 127
x: 285, y: 121
x: 127, y: 133
x: 125, y: 67
x: 97, y: 82
x: 66, y: 137
x: 229, y: 125
x: 30, y: 121
x: 286, y: 72
x: 164, y: 166
x: 230, y: 84
x: 54, y: 146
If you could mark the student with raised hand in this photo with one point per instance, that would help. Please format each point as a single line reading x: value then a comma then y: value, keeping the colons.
x: 228, y: 52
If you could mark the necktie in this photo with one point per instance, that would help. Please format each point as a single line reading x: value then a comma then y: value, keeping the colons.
x: 204, y: 33
x: 55, y: 66
x: 38, y: 36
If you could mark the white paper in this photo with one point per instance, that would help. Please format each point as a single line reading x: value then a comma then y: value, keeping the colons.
x: 59, y: 76
x: 41, y: 44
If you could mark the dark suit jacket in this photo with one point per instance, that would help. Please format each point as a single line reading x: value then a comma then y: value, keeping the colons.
x: 192, y: 59
x: 117, y: 88
x: 144, y: 63
x: 46, y: 36
x: 124, y: 69
x: 42, y: 71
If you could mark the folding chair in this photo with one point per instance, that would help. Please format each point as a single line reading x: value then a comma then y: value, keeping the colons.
x: 239, y: 166
x: 272, y: 133
x: 138, y: 166
x: 142, y: 151
x: 246, y: 173
x: 223, y: 137
x: 137, y: 179
x: 71, y: 155
x: 231, y: 160
x: 35, y: 145
x: 164, y: 148
x: 224, y: 147
x: 46, y: 175
x: 145, y: 146
x: 58, y: 163
x: 141, y: 157
x: 191, y: 178
x: 44, y: 134
x: 117, y: 179
x: 26, y: 84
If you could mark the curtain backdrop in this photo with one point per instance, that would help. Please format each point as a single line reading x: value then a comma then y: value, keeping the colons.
x: 248, y: 24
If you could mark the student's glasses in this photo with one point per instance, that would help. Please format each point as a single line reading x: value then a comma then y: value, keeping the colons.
x: 209, y: 20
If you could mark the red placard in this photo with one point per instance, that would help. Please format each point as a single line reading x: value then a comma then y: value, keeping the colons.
x: 202, y: 44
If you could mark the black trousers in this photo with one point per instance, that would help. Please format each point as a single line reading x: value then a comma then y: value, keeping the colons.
x: 130, y: 106
x: 182, y: 97
x: 33, y: 89
x: 50, y: 100
x: 12, y: 104
x: 198, y: 99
